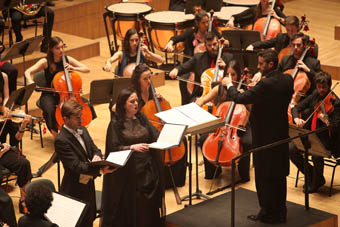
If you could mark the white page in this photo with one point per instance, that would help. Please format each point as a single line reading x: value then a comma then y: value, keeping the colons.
x: 65, y: 211
x: 119, y: 157
x: 196, y: 113
x: 161, y: 146
x: 173, y: 116
x: 171, y: 133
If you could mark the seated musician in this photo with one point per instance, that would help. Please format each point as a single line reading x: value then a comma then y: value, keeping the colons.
x: 218, y: 93
x: 134, y: 194
x: 24, y: 12
x: 129, y: 53
x: 7, y: 213
x: 309, y: 64
x: 202, y: 61
x: 177, y: 5
x: 192, y: 39
x: 329, y: 138
x: 251, y: 15
x: 52, y: 64
x: 10, y: 157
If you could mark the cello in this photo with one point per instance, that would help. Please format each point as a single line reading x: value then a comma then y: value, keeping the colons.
x: 301, y: 82
x: 172, y: 155
x: 69, y: 85
x: 268, y: 26
x: 223, y: 145
x: 210, y: 77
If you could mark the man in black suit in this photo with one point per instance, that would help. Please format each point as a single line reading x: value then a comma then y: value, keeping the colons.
x: 269, y: 121
x: 309, y: 65
x: 76, y: 150
x: 330, y: 139
x: 7, y: 214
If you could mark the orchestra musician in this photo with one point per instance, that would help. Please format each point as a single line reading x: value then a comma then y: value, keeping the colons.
x: 38, y: 200
x: 202, y: 61
x: 251, y: 15
x: 134, y: 194
x: 309, y: 65
x: 129, y: 53
x: 76, y: 150
x: 192, y: 37
x: 141, y: 83
x: 273, y: 92
x: 218, y: 93
x: 24, y: 12
x: 329, y: 138
x: 51, y: 65
x: 282, y: 40
x: 177, y: 5
x: 7, y: 213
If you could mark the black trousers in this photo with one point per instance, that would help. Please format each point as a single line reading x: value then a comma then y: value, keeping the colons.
x: 12, y: 74
x: 11, y: 129
x: 48, y: 103
x: 19, y: 165
x: 272, y: 195
x: 7, y: 213
x: 186, y: 97
x: 17, y: 17
x: 315, y: 172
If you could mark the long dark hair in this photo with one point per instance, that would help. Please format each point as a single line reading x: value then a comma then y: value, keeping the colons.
x: 135, y: 78
x: 199, y: 14
x: 126, y: 43
x: 54, y: 41
x: 235, y: 66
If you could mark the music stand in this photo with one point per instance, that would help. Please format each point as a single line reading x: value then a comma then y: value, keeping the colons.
x: 20, y: 97
x: 246, y: 58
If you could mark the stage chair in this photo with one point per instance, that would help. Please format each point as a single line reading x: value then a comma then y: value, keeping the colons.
x: 331, y: 162
x: 7, y: 176
x: 40, y: 81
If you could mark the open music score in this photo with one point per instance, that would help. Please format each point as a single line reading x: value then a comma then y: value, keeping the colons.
x: 170, y: 136
x: 115, y: 159
x: 197, y: 119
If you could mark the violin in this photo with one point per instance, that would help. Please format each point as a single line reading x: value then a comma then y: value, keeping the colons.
x: 128, y: 70
x: 301, y: 82
x: 268, y: 26
x: 223, y: 145
x: 69, y: 84
x: 210, y: 77
x: 16, y: 116
x: 153, y: 106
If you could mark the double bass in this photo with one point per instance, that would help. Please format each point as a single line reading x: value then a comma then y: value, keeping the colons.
x: 223, y: 145
x: 268, y: 26
x: 69, y: 86
x: 171, y: 156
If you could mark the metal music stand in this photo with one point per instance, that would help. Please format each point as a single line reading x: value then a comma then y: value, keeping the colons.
x: 20, y: 97
x: 246, y: 58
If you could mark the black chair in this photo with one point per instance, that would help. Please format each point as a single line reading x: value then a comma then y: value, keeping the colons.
x: 331, y: 162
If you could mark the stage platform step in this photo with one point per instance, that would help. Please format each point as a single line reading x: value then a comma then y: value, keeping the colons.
x: 216, y: 212
x: 77, y: 47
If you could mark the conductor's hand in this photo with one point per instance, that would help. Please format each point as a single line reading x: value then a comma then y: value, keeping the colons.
x: 107, y: 67
x: 96, y: 158
x: 299, y: 122
x: 169, y: 46
x: 140, y: 147
x: 173, y: 73
x: 107, y: 169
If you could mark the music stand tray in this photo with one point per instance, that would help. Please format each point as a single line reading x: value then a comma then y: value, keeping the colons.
x: 20, y: 97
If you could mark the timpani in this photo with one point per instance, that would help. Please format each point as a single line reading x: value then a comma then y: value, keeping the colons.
x: 224, y: 15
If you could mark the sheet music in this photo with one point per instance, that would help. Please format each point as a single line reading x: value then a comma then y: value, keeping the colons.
x: 119, y: 157
x: 65, y: 211
x: 170, y: 136
x: 190, y: 114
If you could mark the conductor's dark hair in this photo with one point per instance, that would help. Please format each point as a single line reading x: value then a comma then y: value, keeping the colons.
x: 126, y: 41
x: 292, y: 20
x: 38, y: 199
x: 210, y: 36
x: 269, y: 55
x: 299, y: 35
x: 323, y: 77
x: 135, y: 78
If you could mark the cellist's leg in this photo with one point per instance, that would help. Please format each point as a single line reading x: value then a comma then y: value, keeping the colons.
x: 48, y: 103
